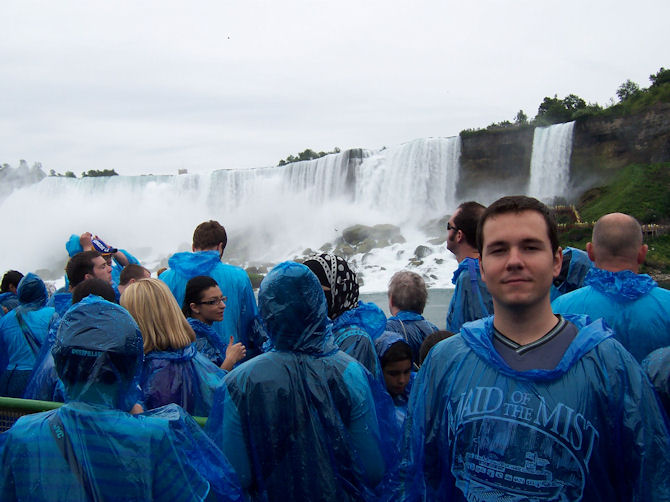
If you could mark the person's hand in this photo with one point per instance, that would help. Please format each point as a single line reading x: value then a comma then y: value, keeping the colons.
x: 85, y: 241
x: 234, y: 352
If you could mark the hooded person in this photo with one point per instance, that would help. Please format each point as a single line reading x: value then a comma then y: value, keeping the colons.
x: 299, y: 422
x: 22, y: 333
x: 355, y: 323
x: 91, y: 448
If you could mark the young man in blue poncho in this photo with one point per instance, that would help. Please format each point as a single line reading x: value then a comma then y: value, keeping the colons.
x: 91, y: 448
x: 471, y: 299
x: 300, y: 422
x: 632, y: 304
x: 8, y: 298
x: 209, y: 242
x: 529, y: 405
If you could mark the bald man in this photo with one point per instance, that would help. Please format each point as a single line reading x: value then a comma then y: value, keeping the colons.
x: 631, y: 303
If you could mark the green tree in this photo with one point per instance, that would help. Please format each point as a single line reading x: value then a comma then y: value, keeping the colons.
x: 521, y: 118
x: 627, y: 90
x: 659, y: 78
x: 70, y: 174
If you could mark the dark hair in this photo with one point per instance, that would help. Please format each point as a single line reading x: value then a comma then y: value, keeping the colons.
x: 408, y: 292
x: 518, y: 204
x: 398, y: 351
x: 193, y: 293
x: 132, y: 271
x: 80, y: 265
x: 430, y: 341
x: 209, y: 234
x: 93, y: 286
x: 466, y: 220
x: 13, y: 277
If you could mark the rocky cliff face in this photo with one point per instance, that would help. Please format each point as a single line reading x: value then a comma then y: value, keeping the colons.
x: 601, y: 146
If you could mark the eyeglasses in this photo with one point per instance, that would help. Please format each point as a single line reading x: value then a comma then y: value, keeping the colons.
x: 216, y: 301
x: 451, y: 227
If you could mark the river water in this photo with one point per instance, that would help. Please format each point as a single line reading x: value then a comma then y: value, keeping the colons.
x: 436, y: 307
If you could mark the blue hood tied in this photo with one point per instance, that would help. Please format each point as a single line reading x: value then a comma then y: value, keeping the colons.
x: 73, y: 245
x: 98, y: 354
x: 192, y: 264
x: 625, y: 283
x: 384, y: 342
x: 294, y: 310
x: 32, y: 293
x: 476, y: 336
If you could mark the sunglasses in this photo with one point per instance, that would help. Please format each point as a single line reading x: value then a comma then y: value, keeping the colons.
x: 216, y: 301
x: 451, y: 227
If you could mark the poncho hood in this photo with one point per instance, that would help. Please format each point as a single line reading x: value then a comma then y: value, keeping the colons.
x: 626, y: 284
x: 193, y: 264
x: 294, y: 310
x: 478, y: 336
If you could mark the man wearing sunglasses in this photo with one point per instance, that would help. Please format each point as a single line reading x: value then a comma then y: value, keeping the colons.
x: 471, y: 299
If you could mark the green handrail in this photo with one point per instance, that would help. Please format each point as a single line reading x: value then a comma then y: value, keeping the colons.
x: 34, y: 406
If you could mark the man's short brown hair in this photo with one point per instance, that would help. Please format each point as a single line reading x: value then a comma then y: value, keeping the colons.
x: 208, y: 235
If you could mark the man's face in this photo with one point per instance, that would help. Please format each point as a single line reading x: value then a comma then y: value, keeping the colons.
x: 451, y: 232
x: 517, y: 263
x: 101, y: 269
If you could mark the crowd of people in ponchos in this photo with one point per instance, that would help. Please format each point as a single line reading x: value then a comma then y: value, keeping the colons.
x: 306, y: 390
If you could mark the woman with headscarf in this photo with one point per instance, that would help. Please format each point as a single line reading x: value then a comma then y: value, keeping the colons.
x: 355, y: 323
x: 22, y: 333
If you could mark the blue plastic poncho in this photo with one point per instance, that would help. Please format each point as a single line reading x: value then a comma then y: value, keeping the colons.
x: 636, y: 309
x: 471, y: 300
x: 21, y: 344
x: 576, y: 264
x: 208, y: 342
x: 657, y: 367
x: 44, y: 384
x: 181, y: 376
x: 9, y: 301
x: 238, y: 319
x: 590, y: 429
x: 413, y: 328
x: 354, y: 332
x: 61, y: 301
x: 90, y: 448
x: 299, y: 422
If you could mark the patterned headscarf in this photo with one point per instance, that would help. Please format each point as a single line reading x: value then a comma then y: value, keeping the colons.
x: 334, y: 272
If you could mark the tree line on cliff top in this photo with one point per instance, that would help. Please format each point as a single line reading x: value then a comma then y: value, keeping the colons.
x: 631, y: 98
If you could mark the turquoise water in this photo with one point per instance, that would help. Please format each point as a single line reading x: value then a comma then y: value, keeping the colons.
x: 436, y: 308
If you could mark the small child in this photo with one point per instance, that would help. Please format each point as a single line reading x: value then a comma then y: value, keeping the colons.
x: 395, y: 356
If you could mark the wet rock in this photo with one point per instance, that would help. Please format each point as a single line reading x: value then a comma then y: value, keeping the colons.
x: 422, y: 251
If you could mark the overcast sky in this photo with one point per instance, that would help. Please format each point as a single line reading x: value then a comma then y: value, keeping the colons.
x: 151, y: 87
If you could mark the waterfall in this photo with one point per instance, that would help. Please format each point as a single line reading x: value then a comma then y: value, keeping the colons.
x: 550, y: 161
x: 270, y: 214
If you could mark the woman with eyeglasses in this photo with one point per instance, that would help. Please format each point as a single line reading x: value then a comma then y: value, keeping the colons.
x: 173, y: 370
x: 204, y: 305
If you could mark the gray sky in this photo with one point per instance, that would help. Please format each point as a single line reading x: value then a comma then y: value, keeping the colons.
x: 151, y: 87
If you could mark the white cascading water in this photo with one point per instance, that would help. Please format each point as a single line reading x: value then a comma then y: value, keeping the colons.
x: 550, y: 161
x: 270, y: 214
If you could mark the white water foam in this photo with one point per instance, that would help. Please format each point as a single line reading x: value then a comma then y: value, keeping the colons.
x: 270, y: 214
x: 550, y: 161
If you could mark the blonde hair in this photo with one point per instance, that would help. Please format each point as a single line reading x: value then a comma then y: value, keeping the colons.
x: 161, y: 322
